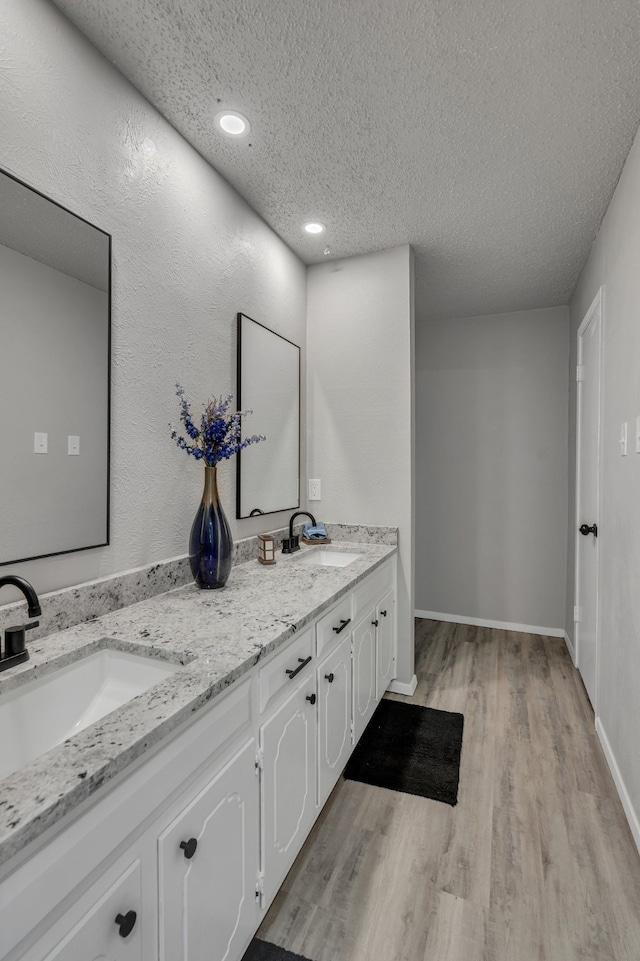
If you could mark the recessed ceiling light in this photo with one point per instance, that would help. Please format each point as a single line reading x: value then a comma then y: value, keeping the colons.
x: 232, y: 123
x: 314, y: 228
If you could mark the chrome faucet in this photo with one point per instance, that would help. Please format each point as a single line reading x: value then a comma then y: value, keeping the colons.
x: 292, y: 542
x: 15, y: 650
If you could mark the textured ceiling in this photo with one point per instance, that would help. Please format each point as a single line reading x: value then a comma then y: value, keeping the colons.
x: 489, y: 134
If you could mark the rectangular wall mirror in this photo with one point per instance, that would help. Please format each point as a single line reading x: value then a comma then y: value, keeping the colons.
x: 268, y: 477
x: 55, y: 322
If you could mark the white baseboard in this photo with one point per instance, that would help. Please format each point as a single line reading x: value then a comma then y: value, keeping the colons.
x: 401, y: 687
x: 632, y: 817
x: 571, y: 648
x: 501, y: 625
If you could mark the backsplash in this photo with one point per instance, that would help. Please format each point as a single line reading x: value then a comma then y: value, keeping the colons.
x: 75, y: 605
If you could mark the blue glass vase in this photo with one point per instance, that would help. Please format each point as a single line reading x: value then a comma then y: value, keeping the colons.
x: 210, y: 543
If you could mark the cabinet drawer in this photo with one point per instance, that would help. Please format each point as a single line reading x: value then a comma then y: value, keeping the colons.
x: 274, y: 676
x: 331, y: 628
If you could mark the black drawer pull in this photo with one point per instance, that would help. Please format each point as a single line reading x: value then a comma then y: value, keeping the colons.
x: 296, y: 670
x: 375, y: 623
x: 189, y: 847
x: 343, y: 624
x: 329, y: 678
x: 126, y: 923
x: 311, y: 698
x: 384, y: 613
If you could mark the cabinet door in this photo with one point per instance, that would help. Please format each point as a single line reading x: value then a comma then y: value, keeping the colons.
x: 97, y: 937
x: 207, y: 889
x: 385, y: 616
x: 334, y: 717
x: 364, y: 673
x: 288, y: 742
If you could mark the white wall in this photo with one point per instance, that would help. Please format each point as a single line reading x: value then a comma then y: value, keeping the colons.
x: 491, y: 467
x: 614, y: 263
x: 188, y: 253
x: 360, y: 404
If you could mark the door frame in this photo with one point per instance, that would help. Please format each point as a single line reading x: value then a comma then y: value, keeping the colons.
x: 596, y: 310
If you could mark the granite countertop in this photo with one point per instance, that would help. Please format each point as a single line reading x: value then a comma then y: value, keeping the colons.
x: 216, y: 637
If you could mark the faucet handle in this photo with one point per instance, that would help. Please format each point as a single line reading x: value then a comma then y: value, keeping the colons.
x: 14, y: 638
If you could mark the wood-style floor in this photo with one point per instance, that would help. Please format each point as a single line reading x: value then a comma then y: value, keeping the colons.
x: 535, y: 863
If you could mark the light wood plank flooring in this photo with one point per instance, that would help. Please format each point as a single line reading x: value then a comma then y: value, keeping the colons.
x: 535, y: 863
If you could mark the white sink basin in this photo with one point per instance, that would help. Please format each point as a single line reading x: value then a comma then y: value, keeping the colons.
x: 328, y: 558
x: 42, y: 713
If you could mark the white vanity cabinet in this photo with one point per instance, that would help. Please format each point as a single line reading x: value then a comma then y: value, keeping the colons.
x: 386, y: 642
x: 364, y: 672
x: 208, y: 861
x: 335, y: 736
x: 198, y: 834
x: 288, y: 761
x: 107, y: 923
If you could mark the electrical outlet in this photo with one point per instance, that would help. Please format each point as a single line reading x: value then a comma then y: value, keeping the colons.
x: 74, y: 444
x: 40, y: 443
x: 637, y: 435
x: 315, y: 490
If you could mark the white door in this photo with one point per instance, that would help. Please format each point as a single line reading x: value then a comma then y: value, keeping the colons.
x: 208, y: 867
x: 587, y: 496
x: 364, y: 673
x: 334, y: 717
x: 288, y: 741
x: 385, y: 616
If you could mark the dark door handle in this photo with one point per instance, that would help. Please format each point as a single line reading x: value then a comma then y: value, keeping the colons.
x: 384, y: 613
x: 343, y: 624
x: 311, y: 698
x: 585, y: 529
x: 296, y: 670
x: 329, y: 677
x: 375, y: 623
x: 189, y: 847
x: 126, y: 923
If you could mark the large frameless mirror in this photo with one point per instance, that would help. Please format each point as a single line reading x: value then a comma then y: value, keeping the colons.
x: 269, y: 384
x: 55, y: 320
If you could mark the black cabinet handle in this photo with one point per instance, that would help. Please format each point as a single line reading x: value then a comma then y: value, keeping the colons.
x: 311, y: 698
x: 126, y: 923
x: 384, y: 613
x: 343, y: 624
x: 329, y: 678
x: 296, y: 670
x: 189, y: 847
x: 585, y: 529
x: 375, y: 623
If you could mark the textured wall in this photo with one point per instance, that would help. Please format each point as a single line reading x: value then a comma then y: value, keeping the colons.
x: 614, y: 263
x: 360, y: 396
x: 491, y: 467
x: 188, y: 253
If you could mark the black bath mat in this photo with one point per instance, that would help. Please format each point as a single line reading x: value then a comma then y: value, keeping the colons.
x: 412, y: 749
x: 264, y: 951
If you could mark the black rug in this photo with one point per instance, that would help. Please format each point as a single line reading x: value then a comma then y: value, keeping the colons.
x: 264, y: 951
x: 412, y: 749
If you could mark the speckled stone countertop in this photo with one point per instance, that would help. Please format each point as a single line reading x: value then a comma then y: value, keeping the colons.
x: 216, y: 637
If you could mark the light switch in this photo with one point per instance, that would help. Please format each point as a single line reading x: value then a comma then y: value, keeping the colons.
x: 637, y: 435
x: 74, y: 444
x: 623, y: 439
x: 315, y: 490
x: 40, y: 443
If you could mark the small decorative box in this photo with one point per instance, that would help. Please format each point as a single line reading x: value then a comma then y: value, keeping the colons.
x: 266, y: 549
